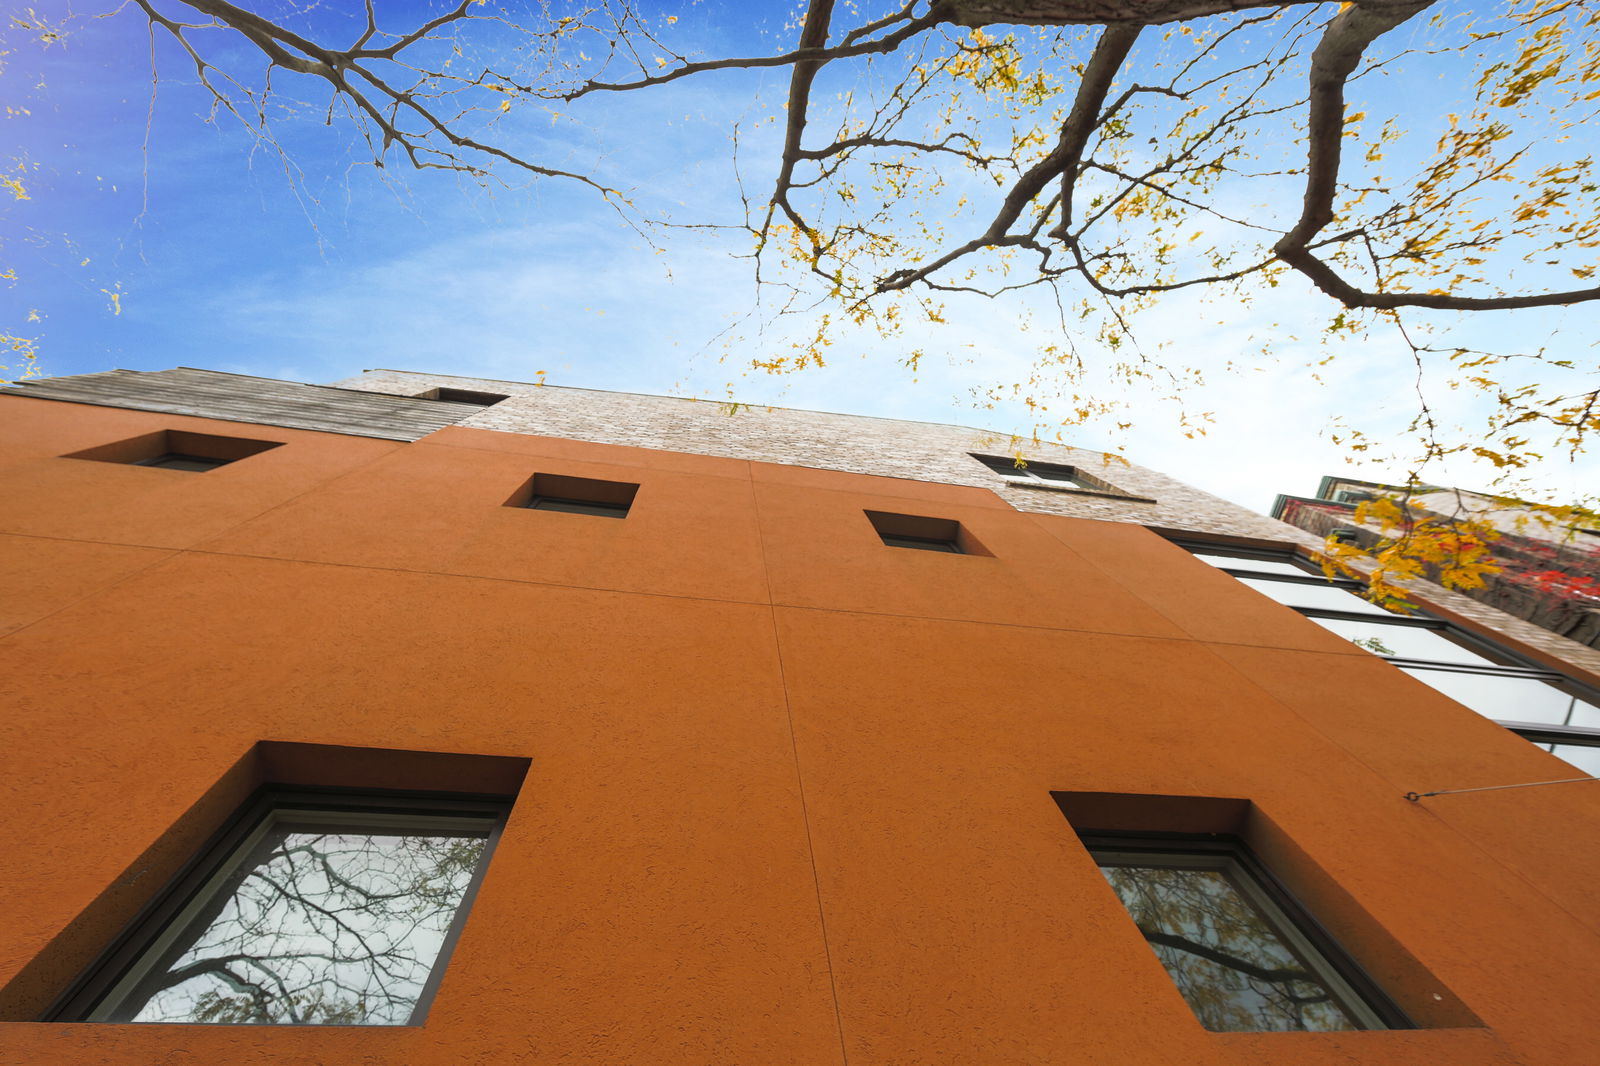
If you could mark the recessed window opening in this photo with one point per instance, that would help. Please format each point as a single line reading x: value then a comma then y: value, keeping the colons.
x: 1559, y: 714
x: 1042, y: 474
x: 924, y: 534
x: 482, y: 399
x: 175, y: 449
x: 317, y: 908
x: 576, y: 495
x: 1245, y: 956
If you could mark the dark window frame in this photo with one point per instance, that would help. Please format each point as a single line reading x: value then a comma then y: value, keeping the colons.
x: 182, y: 461
x: 133, y: 946
x: 1510, y: 663
x: 568, y: 494
x: 924, y: 533
x: 931, y: 544
x: 570, y: 506
x: 446, y: 394
x: 156, y: 448
x: 1357, y: 993
x: 1035, y: 473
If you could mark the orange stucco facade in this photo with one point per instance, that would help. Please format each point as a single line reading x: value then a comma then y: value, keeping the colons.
x: 792, y: 796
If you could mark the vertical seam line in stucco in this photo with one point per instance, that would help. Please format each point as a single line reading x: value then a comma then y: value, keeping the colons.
x: 799, y: 778
x: 171, y: 553
x: 319, y: 486
x: 197, y: 548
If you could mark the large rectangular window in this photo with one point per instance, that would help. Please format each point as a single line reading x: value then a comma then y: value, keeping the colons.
x: 1539, y: 704
x: 315, y: 908
x: 1245, y: 956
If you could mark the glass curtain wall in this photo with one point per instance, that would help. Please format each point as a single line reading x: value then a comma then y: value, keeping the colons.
x: 1541, y: 705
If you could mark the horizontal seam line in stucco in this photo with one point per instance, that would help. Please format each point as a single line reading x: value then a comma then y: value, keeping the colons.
x: 1340, y: 654
x: 167, y: 555
x: 1185, y: 639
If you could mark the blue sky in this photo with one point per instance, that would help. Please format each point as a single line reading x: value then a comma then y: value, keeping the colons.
x: 221, y: 261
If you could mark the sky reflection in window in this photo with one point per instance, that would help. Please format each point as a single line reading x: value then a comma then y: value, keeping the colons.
x: 314, y: 924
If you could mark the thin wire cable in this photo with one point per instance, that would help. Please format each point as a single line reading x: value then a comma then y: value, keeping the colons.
x: 1415, y: 796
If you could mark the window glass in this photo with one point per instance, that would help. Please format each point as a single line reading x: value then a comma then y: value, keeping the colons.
x: 1328, y: 597
x: 174, y: 461
x: 923, y: 543
x: 1056, y: 477
x: 1581, y: 756
x: 1264, y: 566
x: 317, y: 918
x: 551, y: 503
x: 1512, y: 699
x: 1236, y: 970
x: 1404, y: 642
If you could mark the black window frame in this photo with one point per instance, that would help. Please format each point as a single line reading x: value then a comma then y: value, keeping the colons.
x: 1357, y: 993
x: 133, y: 946
x: 1510, y: 663
x: 928, y: 544
x: 159, y: 449
x: 447, y: 394
x: 568, y: 494
x: 196, y: 464
x: 1058, y: 477
x: 570, y: 506
x: 924, y: 533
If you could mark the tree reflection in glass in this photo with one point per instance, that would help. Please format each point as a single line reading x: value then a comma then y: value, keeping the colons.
x: 318, y: 921
x: 1235, y: 969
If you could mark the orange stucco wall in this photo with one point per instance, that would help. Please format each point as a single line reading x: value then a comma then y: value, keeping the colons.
x: 790, y: 796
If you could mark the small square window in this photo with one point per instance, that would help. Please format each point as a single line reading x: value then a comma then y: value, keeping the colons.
x: 317, y: 908
x: 482, y: 399
x: 924, y: 534
x: 1244, y: 955
x: 176, y: 449
x: 1044, y: 475
x: 575, y: 495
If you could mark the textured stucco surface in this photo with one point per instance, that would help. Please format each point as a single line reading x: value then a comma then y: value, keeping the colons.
x: 921, y: 451
x: 790, y: 796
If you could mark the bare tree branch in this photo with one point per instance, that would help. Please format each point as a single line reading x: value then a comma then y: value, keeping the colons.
x: 1336, y: 58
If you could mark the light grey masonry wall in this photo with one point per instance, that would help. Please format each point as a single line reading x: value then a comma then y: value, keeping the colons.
x: 253, y: 400
x: 922, y: 451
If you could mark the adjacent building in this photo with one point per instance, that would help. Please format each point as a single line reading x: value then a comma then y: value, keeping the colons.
x: 429, y: 720
x: 1547, y: 568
